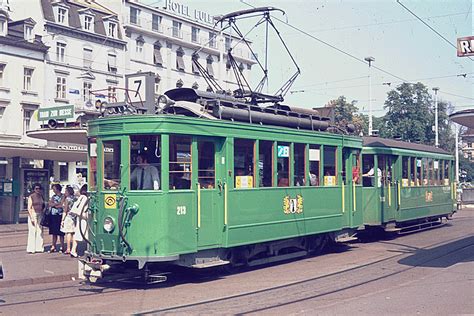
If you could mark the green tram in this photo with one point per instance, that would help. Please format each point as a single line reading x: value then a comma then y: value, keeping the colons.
x: 413, y: 186
x: 212, y: 181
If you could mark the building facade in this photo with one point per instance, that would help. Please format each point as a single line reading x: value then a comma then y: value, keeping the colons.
x: 73, y: 53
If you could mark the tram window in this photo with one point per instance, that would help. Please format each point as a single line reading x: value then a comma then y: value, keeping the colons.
x: 419, y: 175
x: 299, y: 165
x: 145, y: 162
x: 314, y: 160
x: 405, y: 170
x: 329, y: 165
x: 436, y: 172
x: 111, y: 154
x: 425, y: 171
x: 265, y: 163
x: 243, y: 163
x: 92, y: 178
x: 368, y: 174
x: 283, y: 164
x: 356, y: 176
x: 180, y: 166
x: 447, y: 166
x: 206, y: 164
x: 412, y: 163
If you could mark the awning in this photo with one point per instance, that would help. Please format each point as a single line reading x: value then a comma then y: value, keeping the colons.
x: 465, y: 118
x: 69, y: 135
x: 39, y: 152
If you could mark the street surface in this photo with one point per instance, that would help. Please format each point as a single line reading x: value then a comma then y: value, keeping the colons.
x: 430, y: 273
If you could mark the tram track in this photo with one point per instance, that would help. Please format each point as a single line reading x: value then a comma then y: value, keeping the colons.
x: 259, y: 299
x: 292, y: 293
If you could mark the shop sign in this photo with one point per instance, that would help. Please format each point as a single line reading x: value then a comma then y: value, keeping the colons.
x: 58, y: 112
x: 6, y: 188
x: 72, y: 147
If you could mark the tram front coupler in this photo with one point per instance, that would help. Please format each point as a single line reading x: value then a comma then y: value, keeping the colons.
x: 92, y: 269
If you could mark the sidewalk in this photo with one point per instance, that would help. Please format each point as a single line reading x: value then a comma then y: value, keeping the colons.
x: 21, y: 268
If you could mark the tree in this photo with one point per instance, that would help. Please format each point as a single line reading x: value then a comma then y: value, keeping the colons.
x: 408, y: 114
x: 445, y: 133
x: 345, y: 113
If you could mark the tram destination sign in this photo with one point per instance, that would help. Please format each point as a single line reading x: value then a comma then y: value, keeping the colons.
x: 466, y: 46
x: 56, y: 113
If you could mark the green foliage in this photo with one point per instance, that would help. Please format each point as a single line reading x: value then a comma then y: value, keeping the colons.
x: 408, y: 114
x: 345, y: 113
x: 466, y: 168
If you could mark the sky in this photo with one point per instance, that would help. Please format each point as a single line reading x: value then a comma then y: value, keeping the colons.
x: 404, y: 48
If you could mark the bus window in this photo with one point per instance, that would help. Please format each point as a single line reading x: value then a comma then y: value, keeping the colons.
x: 265, y: 163
x: 243, y: 163
x: 314, y: 159
x: 145, y: 162
x: 299, y: 165
x: 329, y: 167
x: 283, y: 164
x: 111, y: 154
x: 180, y: 165
x: 206, y: 165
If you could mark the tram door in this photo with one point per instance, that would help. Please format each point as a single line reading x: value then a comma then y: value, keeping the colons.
x: 352, y: 213
x: 389, y: 187
x: 210, y: 191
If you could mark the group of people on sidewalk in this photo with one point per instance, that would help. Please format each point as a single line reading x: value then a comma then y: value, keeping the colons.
x: 64, y: 214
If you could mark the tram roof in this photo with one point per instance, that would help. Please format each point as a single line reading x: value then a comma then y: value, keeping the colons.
x: 371, y: 141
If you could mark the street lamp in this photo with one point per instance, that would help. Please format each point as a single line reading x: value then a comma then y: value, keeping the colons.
x: 436, y: 116
x: 370, y: 59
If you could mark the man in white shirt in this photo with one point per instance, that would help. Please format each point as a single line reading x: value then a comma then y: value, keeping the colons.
x: 371, y: 173
x: 145, y: 176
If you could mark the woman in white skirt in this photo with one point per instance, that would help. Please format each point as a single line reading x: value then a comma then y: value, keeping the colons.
x: 80, y: 210
x: 68, y: 222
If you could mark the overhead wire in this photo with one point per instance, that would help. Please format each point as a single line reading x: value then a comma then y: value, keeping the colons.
x: 429, y: 26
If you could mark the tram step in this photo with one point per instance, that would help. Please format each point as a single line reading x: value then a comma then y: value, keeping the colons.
x: 346, y: 239
x: 210, y: 264
x: 278, y: 258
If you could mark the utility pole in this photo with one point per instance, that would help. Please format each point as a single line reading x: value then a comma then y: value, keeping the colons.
x: 370, y: 59
x: 436, y: 116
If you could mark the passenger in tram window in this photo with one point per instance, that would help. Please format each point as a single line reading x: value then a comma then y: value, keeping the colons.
x: 180, y: 181
x: 355, y: 174
x: 144, y: 176
x: 371, y: 174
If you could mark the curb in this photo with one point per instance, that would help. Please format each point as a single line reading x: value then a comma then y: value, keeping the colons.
x: 38, y: 280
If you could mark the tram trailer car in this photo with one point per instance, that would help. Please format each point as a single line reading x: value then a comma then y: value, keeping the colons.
x: 222, y: 187
x: 413, y: 187
x: 228, y: 192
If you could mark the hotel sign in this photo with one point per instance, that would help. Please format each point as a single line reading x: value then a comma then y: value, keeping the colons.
x: 466, y: 46
x: 185, y: 11
x: 56, y: 113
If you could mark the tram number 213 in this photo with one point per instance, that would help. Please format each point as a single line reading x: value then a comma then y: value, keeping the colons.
x: 181, y: 210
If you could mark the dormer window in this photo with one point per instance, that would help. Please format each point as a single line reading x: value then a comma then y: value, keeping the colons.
x: 61, y: 15
x: 3, y: 26
x: 112, y: 30
x: 87, y: 23
x: 29, y: 33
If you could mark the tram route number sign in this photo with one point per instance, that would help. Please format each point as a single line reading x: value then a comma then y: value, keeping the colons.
x: 283, y: 151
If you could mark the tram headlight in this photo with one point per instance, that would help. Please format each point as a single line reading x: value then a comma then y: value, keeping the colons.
x: 109, y: 224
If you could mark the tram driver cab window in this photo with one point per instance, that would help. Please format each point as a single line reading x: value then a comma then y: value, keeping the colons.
x: 145, y: 162
x: 180, y: 164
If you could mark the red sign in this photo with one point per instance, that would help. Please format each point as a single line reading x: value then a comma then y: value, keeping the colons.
x: 466, y: 46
